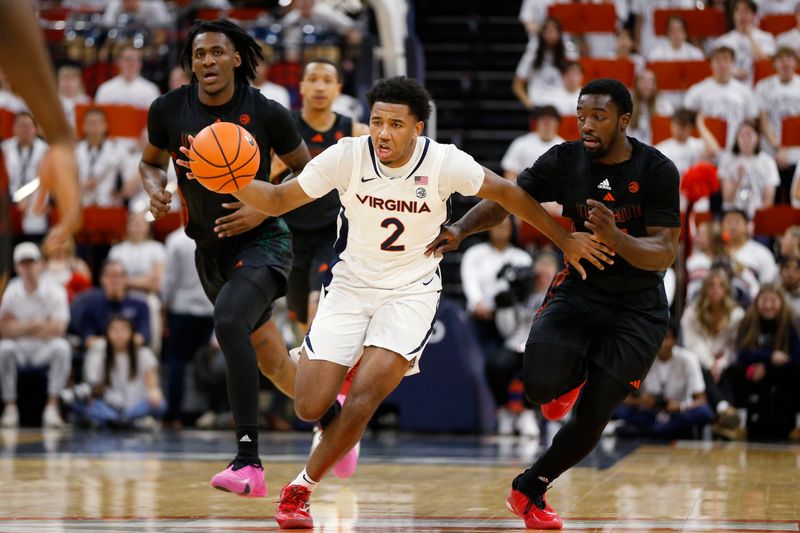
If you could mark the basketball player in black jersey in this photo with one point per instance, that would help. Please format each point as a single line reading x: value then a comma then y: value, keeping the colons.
x: 242, y: 274
x: 594, y: 339
x: 314, y: 225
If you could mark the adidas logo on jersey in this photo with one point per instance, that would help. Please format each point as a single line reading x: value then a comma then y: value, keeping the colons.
x: 245, y: 438
x: 604, y: 185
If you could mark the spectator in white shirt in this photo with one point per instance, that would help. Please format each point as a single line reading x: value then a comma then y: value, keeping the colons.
x: 791, y: 38
x: 626, y: 50
x: 751, y: 254
x: 749, y: 43
x: 676, y: 48
x: 124, y: 380
x: 686, y: 151
x: 323, y: 18
x: 644, y: 28
x: 151, y: 13
x: 23, y: 154
x: 34, y: 314
x: 721, y: 96
x: 525, y: 150
x: 647, y: 103
x: 190, y: 317
x: 480, y: 267
x: 565, y: 99
x: 672, y: 400
x: 748, y: 176
x: 99, y: 159
x: 776, y: 7
x: 270, y: 90
x: 539, y: 70
x: 709, y: 327
x: 532, y: 14
x: 71, y: 91
x: 144, y: 260
x: 779, y: 97
x: 129, y: 87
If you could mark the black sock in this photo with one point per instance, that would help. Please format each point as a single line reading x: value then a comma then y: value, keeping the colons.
x: 326, y: 419
x: 247, y: 443
x: 530, y: 484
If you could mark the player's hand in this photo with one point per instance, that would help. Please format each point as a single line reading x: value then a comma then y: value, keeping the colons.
x: 449, y: 239
x: 185, y: 162
x: 244, y: 218
x: 582, y: 245
x: 58, y: 175
x: 160, y: 201
x: 601, y: 222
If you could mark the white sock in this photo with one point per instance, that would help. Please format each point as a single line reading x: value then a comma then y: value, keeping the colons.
x: 304, y: 480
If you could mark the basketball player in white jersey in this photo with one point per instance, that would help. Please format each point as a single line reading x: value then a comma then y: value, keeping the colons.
x: 380, y: 298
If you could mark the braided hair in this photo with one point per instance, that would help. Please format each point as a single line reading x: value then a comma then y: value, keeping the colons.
x: 248, y: 48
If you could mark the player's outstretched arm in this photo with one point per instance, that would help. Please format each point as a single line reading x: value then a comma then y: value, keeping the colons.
x: 273, y: 200
x: 576, y: 246
x: 24, y: 58
x: 655, y: 252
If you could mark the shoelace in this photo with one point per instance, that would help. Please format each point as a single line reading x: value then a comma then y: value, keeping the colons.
x: 238, y: 464
x: 538, y: 501
x: 295, y: 497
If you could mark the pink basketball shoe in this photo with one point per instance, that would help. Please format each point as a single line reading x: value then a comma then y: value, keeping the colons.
x: 245, y: 481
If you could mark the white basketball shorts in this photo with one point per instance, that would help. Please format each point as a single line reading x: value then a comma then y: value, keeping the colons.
x: 351, y: 317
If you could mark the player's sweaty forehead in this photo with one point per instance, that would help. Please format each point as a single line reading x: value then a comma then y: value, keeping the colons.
x: 211, y: 40
x: 395, y: 112
x: 596, y: 102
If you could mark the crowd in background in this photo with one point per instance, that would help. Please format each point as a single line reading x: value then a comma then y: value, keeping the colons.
x: 116, y: 328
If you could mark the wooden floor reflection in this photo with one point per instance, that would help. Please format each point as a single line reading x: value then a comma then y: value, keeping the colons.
x: 681, y: 487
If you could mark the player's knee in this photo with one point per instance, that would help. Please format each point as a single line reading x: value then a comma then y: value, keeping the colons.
x: 227, y: 325
x: 309, y: 409
x: 540, y: 385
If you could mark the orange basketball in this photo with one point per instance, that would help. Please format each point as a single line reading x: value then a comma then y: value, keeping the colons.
x: 224, y: 157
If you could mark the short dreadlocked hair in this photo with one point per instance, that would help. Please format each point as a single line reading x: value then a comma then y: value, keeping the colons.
x: 248, y: 48
x: 615, y: 89
x: 402, y: 90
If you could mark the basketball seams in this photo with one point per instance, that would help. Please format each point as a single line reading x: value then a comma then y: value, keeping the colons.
x: 220, y: 181
x: 224, y: 157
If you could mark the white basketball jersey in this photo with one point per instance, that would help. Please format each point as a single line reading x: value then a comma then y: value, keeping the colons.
x: 387, y: 222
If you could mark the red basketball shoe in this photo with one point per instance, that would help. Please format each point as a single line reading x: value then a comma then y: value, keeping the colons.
x: 558, y: 408
x: 536, y: 513
x: 293, y: 508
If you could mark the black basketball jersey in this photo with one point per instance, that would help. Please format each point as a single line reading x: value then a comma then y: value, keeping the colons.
x: 323, y: 211
x: 179, y: 113
x: 641, y: 192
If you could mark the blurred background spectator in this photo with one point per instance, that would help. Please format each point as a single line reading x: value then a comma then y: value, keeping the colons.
x: 99, y: 159
x: 34, y: 314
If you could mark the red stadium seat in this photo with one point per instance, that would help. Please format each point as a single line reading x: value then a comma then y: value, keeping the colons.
x: 762, y: 69
x: 16, y: 220
x: 719, y: 128
x: 530, y: 235
x: 245, y: 13
x: 774, y: 220
x: 123, y: 120
x: 776, y: 24
x: 582, y: 18
x: 659, y: 125
x: 209, y: 14
x: 568, y: 129
x: 166, y: 225
x: 701, y: 23
x: 679, y: 75
x: 620, y: 69
x: 102, y: 225
x: 790, y: 131
x: 6, y: 123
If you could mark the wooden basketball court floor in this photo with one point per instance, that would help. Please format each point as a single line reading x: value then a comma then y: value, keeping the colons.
x: 137, y: 482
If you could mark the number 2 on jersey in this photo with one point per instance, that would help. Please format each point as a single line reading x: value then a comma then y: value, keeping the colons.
x: 389, y: 244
